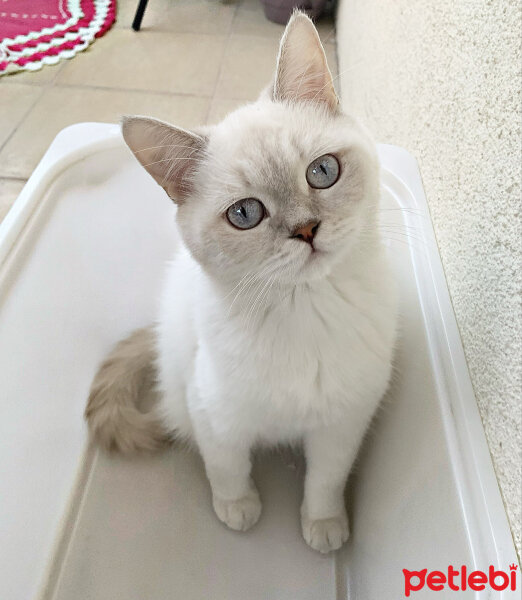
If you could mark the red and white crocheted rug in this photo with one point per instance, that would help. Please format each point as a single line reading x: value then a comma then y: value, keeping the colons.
x: 34, y: 33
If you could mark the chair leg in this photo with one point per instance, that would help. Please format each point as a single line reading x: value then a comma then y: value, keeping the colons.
x: 136, y: 24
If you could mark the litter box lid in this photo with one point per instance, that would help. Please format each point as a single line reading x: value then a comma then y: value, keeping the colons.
x: 82, y: 254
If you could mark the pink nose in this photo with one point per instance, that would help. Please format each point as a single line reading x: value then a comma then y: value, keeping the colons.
x: 307, y: 232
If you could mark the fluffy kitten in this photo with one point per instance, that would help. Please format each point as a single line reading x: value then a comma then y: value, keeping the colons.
x: 278, y: 316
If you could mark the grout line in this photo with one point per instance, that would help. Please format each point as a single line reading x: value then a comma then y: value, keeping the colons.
x: 143, y: 91
x: 12, y: 79
x: 157, y: 29
x: 220, y: 70
x: 59, y: 68
x: 42, y: 88
x: 234, y: 17
x: 149, y: 92
x: 13, y: 178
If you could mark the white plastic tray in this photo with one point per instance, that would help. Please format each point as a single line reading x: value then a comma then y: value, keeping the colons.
x: 82, y: 254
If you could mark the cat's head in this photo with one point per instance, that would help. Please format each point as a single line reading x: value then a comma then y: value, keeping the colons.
x: 282, y: 188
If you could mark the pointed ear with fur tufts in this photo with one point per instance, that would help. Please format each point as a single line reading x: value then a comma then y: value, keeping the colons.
x: 302, y: 72
x: 170, y: 154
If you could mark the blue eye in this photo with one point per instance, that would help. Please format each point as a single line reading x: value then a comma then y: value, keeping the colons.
x: 246, y: 213
x: 323, y: 172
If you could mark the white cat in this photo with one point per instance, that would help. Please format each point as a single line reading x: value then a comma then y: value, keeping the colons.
x: 278, y: 317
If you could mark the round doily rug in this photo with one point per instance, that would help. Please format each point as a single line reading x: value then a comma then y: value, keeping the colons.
x: 34, y: 33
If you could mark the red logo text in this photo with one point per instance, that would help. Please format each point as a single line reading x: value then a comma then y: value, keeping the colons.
x: 460, y: 580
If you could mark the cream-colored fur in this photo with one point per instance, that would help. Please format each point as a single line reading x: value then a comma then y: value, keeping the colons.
x: 126, y: 381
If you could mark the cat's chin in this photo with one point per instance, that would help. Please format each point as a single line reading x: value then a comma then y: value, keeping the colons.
x: 316, y: 265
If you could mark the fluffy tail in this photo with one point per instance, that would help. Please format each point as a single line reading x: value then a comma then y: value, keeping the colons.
x: 125, y: 382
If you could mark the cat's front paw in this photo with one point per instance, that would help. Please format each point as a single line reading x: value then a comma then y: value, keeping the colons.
x: 325, y: 535
x: 240, y: 514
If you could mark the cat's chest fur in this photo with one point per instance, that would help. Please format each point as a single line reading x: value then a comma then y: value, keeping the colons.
x: 300, y: 359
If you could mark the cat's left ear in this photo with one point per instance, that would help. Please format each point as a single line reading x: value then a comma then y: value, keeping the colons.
x: 302, y: 72
x: 170, y: 154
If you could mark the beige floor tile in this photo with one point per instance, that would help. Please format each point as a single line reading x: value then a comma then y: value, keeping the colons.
x: 15, y: 100
x: 60, y: 107
x: 248, y: 66
x: 250, y: 20
x: 43, y: 76
x: 9, y: 190
x: 183, y: 63
x: 180, y: 16
x: 220, y: 107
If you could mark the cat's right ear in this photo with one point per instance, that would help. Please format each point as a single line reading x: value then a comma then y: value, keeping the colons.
x: 170, y: 154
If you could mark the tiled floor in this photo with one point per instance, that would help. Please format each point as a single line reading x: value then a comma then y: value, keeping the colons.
x: 192, y: 62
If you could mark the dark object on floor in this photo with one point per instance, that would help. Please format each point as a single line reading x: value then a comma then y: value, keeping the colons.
x: 136, y: 24
x: 279, y: 11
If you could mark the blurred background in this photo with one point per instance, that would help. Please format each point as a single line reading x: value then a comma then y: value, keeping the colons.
x: 441, y: 79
